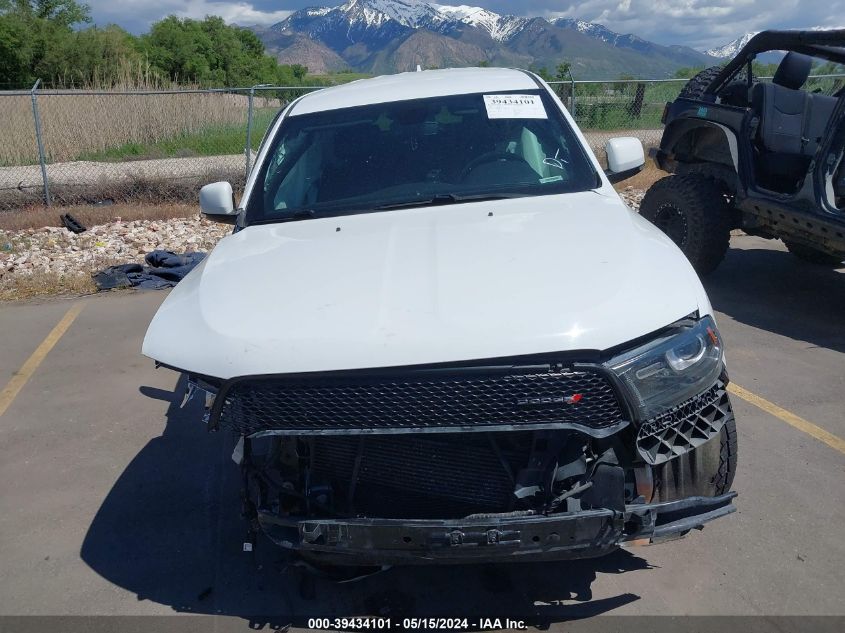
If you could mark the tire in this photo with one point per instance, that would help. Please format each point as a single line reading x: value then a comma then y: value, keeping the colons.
x: 723, y: 175
x: 813, y: 256
x: 695, y: 87
x: 693, y: 211
x: 707, y: 470
x: 727, y: 457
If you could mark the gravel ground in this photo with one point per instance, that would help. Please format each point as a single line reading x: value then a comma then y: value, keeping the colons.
x: 57, y: 251
x: 632, y: 197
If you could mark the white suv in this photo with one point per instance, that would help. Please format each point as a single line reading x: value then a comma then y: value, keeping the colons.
x: 439, y: 334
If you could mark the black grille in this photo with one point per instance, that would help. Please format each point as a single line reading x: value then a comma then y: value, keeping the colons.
x: 420, y: 476
x: 467, y: 400
x: 685, y: 427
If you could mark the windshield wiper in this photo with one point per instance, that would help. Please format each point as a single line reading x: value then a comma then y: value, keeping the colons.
x: 299, y: 214
x: 448, y: 198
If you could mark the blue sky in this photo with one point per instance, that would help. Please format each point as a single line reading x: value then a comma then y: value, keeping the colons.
x: 698, y: 23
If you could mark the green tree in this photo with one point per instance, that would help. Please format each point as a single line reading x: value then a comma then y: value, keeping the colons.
x: 211, y: 53
x: 543, y: 72
x: 15, y: 52
x: 40, y: 38
x: 563, y: 71
x: 30, y: 30
x: 299, y: 71
x: 61, y: 13
x: 94, y: 56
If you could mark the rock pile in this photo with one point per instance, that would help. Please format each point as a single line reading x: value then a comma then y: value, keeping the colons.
x: 57, y: 250
x: 632, y: 197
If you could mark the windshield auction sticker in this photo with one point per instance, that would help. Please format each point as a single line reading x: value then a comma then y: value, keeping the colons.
x: 515, y: 107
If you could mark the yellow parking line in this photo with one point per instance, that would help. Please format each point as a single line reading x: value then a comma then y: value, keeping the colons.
x: 13, y: 387
x: 790, y: 418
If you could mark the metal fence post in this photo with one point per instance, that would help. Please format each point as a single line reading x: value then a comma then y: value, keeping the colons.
x: 42, y: 159
x: 572, y: 85
x: 248, y: 149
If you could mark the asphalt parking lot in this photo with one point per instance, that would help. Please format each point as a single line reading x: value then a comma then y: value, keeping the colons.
x: 113, y: 500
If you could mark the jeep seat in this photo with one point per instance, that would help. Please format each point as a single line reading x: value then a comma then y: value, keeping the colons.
x: 792, y: 121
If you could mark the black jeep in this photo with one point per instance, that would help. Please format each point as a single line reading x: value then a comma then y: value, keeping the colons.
x: 766, y: 157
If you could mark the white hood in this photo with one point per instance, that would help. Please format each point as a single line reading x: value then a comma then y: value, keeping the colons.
x: 417, y: 286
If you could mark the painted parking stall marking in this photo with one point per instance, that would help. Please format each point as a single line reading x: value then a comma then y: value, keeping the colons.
x: 790, y: 418
x: 17, y: 382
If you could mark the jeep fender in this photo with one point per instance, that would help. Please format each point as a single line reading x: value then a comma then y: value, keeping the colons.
x: 695, y: 140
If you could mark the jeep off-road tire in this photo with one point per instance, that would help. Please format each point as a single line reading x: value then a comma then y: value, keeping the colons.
x: 693, y: 212
x: 723, y: 175
x: 813, y: 256
x: 695, y: 87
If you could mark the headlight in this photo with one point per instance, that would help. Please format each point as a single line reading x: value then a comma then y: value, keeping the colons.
x: 675, y: 367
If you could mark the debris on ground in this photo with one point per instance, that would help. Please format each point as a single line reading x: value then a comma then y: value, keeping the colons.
x: 72, y: 224
x: 164, y: 269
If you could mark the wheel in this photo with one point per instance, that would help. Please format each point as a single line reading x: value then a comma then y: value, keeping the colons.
x: 693, y: 211
x: 724, y: 176
x: 695, y: 87
x: 812, y: 255
x: 727, y: 457
x: 708, y: 470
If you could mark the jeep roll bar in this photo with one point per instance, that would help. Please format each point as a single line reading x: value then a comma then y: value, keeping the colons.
x: 829, y: 45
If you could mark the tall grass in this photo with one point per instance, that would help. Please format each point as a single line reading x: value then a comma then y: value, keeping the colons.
x: 214, y: 140
x: 83, y: 125
x: 77, y: 124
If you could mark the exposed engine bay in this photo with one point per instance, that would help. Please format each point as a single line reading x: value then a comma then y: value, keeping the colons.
x: 437, y: 492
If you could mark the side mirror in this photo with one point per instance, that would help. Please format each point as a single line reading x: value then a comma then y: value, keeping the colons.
x: 625, y: 158
x: 218, y: 202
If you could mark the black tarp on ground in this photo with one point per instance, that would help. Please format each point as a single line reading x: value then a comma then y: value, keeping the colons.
x: 164, y: 269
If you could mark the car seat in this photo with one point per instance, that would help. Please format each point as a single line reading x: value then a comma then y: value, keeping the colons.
x: 792, y: 122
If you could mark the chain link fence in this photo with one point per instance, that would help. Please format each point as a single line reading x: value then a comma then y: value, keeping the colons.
x: 63, y: 147
x: 604, y: 109
x: 75, y: 146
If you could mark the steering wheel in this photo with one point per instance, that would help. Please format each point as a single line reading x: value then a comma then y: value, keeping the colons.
x: 490, y: 157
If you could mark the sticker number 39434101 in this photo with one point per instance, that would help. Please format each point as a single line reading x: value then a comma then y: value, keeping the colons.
x: 515, y: 107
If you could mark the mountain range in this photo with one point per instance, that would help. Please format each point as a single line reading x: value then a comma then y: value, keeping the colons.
x: 384, y: 36
x: 731, y: 48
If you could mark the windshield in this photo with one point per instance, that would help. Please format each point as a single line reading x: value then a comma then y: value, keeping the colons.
x: 426, y: 151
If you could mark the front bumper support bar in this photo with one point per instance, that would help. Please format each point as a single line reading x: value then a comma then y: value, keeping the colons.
x: 497, y: 538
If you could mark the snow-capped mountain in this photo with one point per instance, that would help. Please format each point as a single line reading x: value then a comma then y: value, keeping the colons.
x: 731, y: 48
x: 391, y: 35
x: 500, y: 27
x: 373, y: 15
x: 596, y: 31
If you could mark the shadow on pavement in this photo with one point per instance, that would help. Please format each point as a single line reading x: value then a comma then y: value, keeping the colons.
x: 775, y: 291
x: 170, y: 532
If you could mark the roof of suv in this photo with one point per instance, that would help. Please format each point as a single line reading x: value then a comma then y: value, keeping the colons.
x: 415, y: 85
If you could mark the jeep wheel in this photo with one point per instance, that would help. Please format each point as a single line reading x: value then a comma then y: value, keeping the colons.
x: 693, y: 212
x: 695, y: 87
x: 812, y: 255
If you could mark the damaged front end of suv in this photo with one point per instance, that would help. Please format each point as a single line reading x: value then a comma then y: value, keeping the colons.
x: 541, y: 458
x: 440, y: 336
